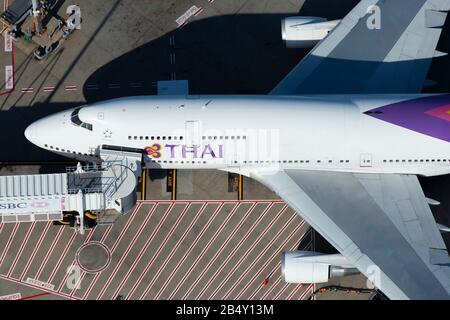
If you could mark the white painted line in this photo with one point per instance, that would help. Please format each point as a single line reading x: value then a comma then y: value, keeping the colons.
x: 27, y: 90
x: 116, y: 243
x: 9, y: 77
x: 114, y: 86
x: 13, y: 296
x: 8, y: 41
x: 62, y: 256
x: 128, y: 249
x: 256, y: 260
x: 35, y: 250
x: 241, y: 243
x: 71, y: 88
x: 167, y: 259
x: 277, y: 265
x: 218, y: 252
x: 149, y: 240
x: 83, y: 273
x: 49, y: 252
x: 172, y: 41
x: 22, y: 246
x: 185, y: 16
x: 203, y: 252
x: 48, y: 89
x: 198, y: 12
x: 40, y: 284
x: 191, y: 247
x: 8, y: 244
x: 34, y: 286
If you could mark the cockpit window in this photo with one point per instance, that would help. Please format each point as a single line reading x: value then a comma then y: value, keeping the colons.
x: 77, y: 121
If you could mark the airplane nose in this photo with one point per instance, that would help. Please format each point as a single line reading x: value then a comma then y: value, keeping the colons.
x: 30, y: 133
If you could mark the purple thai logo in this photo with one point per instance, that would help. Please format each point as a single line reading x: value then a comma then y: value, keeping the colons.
x: 186, y: 151
x: 429, y: 115
x: 154, y: 151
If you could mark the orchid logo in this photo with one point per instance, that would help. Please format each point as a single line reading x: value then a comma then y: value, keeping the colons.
x: 154, y: 151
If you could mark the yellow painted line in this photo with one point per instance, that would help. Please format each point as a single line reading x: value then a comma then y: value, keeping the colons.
x: 241, y: 188
x: 144, y: 184
x: 91, y: 216
x: 174, y: 184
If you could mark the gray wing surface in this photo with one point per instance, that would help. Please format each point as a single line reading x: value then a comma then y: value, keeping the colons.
x: 378, y: 221
x: 354, y: 59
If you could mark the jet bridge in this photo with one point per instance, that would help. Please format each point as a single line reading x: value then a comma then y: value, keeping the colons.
x: 105, y: 189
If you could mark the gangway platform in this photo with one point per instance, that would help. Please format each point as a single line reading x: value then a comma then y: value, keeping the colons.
x: 104, y: 189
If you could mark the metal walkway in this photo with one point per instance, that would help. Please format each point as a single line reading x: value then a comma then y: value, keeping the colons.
x: 103, y: 189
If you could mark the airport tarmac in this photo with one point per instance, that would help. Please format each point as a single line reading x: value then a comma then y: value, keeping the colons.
x: 123, y: 48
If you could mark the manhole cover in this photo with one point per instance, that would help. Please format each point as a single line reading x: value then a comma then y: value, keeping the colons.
x: 93, y: 257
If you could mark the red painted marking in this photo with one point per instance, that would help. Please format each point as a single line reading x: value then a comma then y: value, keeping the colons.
x: 8, y: 244
x: 36, y: 287
x: 204, y: 250
x: 127, y: 251
x: 205, y: 227
x: 149, y: 240
x: 273, y: 256
x: 22, y: 246
x: 35, y: 250
x: 70, y: 88
x: 50, y: 251
x: 164, y: 264
x: 125, y: 228
x: 13, y: 66
x: 61, y: 258
x: 232, y: 253
x: 218, y: 252
x: 256, y: 260
x: 35, y: 296
x: 83, y: 273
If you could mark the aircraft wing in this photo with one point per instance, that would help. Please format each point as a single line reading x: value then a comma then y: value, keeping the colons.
x: 361, y: 56
x: 377, y: 221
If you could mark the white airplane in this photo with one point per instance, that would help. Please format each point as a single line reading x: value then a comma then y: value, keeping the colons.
x: 341, y: 139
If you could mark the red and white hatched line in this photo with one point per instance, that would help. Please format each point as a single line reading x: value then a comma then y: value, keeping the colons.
x: 22, y: 246
x: 147, y: 243
x: 203, y: 252
x: 286, y: 284
x: 127, y: 251
x: 276, y: 267
x: 167, y: 259
x: 256, y: 260
x: 71, y: 88
x: 8, y: 244
x: 205, y: 227
x: 35, y: 250
x: 222, y: 264
x: 308, y: 290
x: 50, y: 251
x: 116, y: 243
x: 83, y: 273
x: 232, y: 254
x: 61, y: 258
x: 36, y: 287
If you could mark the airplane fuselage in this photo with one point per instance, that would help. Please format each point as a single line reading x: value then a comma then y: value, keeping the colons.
x: 375, y: 133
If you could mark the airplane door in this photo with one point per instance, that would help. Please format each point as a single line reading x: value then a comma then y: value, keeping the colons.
x: 193, y: 133
x: 366, y: 160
